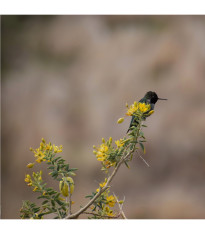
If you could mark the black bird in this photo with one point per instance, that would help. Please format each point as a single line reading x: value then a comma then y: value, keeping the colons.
x: 149, y: 98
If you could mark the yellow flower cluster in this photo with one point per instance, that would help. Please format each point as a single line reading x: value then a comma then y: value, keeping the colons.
x: 120, y: 143
x: 37, y: 178
x: 28, y: 180
x: 103, y: 151
x: 132, y: 109
x: 107, y: 211
x: 110, y: 200
x: 41, y: 152
x: 141, y: 107
x: 102, y: 185
x: 144, y: 107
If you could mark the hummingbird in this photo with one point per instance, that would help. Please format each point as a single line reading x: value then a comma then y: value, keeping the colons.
x: 149, y: 98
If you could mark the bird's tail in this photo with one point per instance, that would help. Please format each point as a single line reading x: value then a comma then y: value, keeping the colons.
x: 133, y: 122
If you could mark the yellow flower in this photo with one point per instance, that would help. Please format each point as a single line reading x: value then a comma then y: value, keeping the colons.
x: 132, y: 109
x: 119, y: 143
x: 144, y: 107
x: 111, y: 201
x: 108, y: 211
x: 57, y: 149
x: 102, y: 185
x: 120, y: 120
x: 103, y: 148
x: 28, y: 178
x: 101, y: 153
x: 40, y: 159
x: 35, y: 189
x: 49, y: 147
x: 109, y: 164
x: 40, y: 156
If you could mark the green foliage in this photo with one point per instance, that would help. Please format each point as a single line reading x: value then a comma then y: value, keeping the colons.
x: 111, y: 155
x: 52, y: 200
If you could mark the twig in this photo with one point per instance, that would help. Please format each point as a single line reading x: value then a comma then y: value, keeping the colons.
x: 143, y: 159
x: 104, y: 216
x: 120, y: 207
x: 70, y: 202
x: 75, y: 215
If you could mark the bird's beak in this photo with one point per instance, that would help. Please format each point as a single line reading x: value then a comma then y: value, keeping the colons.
x: 161, y: 99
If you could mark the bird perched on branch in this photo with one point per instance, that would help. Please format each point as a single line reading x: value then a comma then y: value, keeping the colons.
x: 150, y: 98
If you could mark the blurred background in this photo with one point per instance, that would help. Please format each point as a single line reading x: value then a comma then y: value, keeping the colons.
x: 67, y: 79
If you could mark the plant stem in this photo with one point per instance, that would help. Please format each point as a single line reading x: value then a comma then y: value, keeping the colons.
x: 75, y: 215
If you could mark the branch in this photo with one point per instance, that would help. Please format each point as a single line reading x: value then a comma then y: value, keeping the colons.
x: 75, y: 215
x: 70, y: 202
x: 104, y: 216
x: 120, y: 207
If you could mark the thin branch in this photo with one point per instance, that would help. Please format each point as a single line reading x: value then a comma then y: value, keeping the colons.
x: 143, y: 159
x: 70, y: 202
x: 99, y: 215
x: 120, y: 207
x: 75, y: 215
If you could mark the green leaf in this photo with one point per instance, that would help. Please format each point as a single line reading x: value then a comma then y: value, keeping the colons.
x: 44, y: 202
x: 71, y: 174
x: 127, y: 164
x: 57, y: 159
x: 57, y: 196
x: 60, y: 202
x: 143, y: 148
x: 41, y: 197
x: 72, y: 169
x: 53, y: 202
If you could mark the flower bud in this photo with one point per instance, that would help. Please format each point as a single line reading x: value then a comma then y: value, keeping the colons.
x: 43, y: 140
x: 63, y: 186
x: 30, y: 165
x: 120, y: 120
x: 121, y: 202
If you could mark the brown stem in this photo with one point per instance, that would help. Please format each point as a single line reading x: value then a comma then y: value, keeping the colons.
x: 75, y: 215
